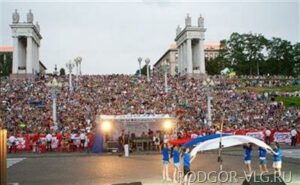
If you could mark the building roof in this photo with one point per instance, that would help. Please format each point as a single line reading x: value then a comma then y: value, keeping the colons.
x: 159, y: 60
x: 6, y: 49
x: 212, y: 46
x: 43, y: 66
x: 173, y: 47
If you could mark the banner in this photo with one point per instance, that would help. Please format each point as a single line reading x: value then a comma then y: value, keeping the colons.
x: 282, y: 137
x: 257, y: 135
x: 28, y: 142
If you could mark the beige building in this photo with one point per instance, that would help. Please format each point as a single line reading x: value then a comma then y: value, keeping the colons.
x: 211, y: 51
x: 170, y: 57
x: 7, y: 53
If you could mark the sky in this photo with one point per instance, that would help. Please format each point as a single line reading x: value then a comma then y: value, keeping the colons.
x: 111, y: 35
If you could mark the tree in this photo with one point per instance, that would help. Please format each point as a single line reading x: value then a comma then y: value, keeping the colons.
x: 234, y: 53
x: 62, y: 72
x: 5, y: 64
x: 143, y: 70
x: 296, y: 59
x: 280, y: 57
x: 254, y: 49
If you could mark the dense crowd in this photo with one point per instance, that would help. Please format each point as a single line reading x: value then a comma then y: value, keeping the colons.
x: 26, y: 105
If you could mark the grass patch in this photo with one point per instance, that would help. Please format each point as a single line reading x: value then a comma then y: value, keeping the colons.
x: 289, y: 101
x: 271, y: 89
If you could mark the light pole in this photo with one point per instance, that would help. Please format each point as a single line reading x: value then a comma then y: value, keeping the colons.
x: 165, y: 69
x: 54, y: 87
x: 208, y: 85
x: 76, y: 64
x: 80, y: 61
x: 220, y: 160
x: 140, y: 59
x: 147, y: 61
x: 70, y: 66
x: 77, y: 61
x: 55, y: 70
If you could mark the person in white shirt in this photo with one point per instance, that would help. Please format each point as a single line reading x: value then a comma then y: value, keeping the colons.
x: 293, y: 136
x: 12, y: 142
x: 194, y: 136
x: 49, y: 142
x: 268, y: 136
x: 156, y: 141
x: 82, y: 137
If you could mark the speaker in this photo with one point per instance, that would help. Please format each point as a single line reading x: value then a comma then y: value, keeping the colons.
x: 264, y: 180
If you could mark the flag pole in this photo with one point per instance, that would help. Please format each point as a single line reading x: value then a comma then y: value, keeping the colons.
x: 220, y: 160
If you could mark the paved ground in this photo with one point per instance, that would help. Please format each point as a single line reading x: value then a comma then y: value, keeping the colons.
x: 13, y: 161
x: 107, y: 169
x: 292, y: 153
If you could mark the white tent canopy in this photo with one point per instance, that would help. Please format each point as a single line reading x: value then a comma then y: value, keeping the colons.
x: 136, y: 117
x: 228, y: 141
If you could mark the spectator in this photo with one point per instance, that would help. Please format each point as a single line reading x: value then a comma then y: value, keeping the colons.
x: 268, y: 136
x: 293, y: 136
x: 49, y: 142
x: 12, y: 143
x: 82, y: 139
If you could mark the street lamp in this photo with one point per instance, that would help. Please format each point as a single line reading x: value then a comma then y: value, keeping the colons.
x: 208, y: 85
x: 77, y: 61
x: 147, y: 61
x: 54, y: 87
x: 70, y: 66
x: 165, y: 68
x: 140, y: 59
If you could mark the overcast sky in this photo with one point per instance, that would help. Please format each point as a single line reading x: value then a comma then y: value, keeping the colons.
x: 111, y: 35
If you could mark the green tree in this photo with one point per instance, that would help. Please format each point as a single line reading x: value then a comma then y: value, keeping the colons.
x: 296, y: 59
x: 255, y: 45
x: 5, y: 64
x: 144, y: 70
x: 234, y: 53
x: 280, y: 57
x: 62, y: 72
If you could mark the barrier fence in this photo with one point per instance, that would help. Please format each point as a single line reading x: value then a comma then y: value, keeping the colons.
x: 38, y: 143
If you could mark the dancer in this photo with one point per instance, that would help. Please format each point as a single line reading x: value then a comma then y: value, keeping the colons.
x: 176, y: 161
x: 277, y: 159
x: 165, y: 154
x: 262, y: 153
x: 247, y: 156
x: 187, y: 165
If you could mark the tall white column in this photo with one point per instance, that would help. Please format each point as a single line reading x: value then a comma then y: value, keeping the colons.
x: 189, y: 57
x: 196, y: 56
x: 184, y: 57
x: 202, y: 57
x: 35, y: 59
x: 38, y: 57
x: 29, y: 56
x: 179, y: 59
x: 16, y: 55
